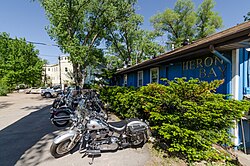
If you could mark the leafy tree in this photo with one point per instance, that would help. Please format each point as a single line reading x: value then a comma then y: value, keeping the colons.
x: 113, y: 62
x: 19, y: 62
x: 207, y: 20
x: 79, y: 26
x: 178, y: 23
x: 132, y: 44
x: 183, y: 24
x: 247, y: 17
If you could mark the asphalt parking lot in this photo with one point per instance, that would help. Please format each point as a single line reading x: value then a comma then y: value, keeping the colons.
x: 26, y: 135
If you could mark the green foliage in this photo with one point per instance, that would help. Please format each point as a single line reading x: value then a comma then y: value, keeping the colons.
x: 207, y: 20
x: 3, y: 88
x: 184, y: 23
x: 247, y: 17
x: 123, y: 101
x: 105, y: 77
x: 186, y: 115
x: 80, y: 26
x: 132, y: 44
x: 179, y: 22
x: 19, y: 62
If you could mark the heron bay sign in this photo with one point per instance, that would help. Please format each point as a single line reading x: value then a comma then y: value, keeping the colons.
x: 208, y: 67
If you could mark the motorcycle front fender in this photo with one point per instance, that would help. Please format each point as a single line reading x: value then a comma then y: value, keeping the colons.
x: 65, y: 108
x: 68, y: 135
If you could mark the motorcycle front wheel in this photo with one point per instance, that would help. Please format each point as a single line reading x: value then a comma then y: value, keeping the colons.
x: 59, y: 117
x: 61, y: 149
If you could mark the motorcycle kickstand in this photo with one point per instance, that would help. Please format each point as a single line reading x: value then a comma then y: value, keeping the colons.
x: 92, y: 160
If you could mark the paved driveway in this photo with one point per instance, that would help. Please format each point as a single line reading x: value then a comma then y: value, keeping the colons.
x: 26, y: 135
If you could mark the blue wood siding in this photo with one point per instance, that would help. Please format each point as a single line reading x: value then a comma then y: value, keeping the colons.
x: 162, y: 73
x: 244, y: 83
x: 132, y: 79
x: 206, y: 68
x: 174, y: 70
x: 146, y: 76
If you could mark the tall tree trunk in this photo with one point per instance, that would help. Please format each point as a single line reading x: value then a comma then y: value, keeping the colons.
x: 77, y: 74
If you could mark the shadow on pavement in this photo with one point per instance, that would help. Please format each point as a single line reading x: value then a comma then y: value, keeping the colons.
x: 5, y: 104
x: 25, y: 140
x: 35, y: 107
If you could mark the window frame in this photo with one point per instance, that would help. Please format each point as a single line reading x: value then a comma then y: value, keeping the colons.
x: 151, y: 70
x: 138, y: 74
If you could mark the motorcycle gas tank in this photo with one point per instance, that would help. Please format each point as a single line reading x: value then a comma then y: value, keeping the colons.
x: 96, y: 124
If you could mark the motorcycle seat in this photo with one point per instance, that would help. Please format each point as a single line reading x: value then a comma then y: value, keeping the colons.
x: 118, y: 126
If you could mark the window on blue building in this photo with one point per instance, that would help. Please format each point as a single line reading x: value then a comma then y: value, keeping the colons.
x: 140, y: 78
x: 125, y: 80
x: 154, y: 75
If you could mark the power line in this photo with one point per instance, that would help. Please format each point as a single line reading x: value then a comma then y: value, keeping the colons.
x: 43, y: 55
x: 41, y: 43
x: 55, y: 45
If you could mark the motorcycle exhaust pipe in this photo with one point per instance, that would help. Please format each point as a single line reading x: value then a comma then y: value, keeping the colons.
x: 95, y: 152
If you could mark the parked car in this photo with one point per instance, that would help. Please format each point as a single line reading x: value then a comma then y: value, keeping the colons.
x: 21, y: 88
x: 51, y: 92
x: 34, y: 90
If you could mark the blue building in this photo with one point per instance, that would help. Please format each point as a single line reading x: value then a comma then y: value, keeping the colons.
x: 223, y: 55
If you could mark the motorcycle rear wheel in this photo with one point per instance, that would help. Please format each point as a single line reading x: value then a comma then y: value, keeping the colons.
x: 140, y: 141
x: 61, y: 149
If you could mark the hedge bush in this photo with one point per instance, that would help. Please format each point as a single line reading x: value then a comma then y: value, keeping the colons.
x: 186, y: 115
x: 3, y: 88
x: 124, y: 101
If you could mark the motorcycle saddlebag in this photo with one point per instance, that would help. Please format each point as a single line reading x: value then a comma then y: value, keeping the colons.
x: 136, y: 127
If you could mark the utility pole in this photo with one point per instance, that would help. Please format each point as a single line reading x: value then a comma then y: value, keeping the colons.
x: 60, y: 73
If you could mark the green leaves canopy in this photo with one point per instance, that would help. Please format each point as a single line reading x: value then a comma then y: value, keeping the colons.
x: 207, y: 20
x: 132, y: 44
x: 19, y: 62
x: 183, y: 23
x: 247, y: 17
x: 79, y: 26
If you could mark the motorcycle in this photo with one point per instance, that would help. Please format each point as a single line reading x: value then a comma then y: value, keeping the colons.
x: 95, y: 135
x: 64, y: 108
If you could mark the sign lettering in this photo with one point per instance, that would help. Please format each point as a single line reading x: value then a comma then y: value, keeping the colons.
x: 210, y: 67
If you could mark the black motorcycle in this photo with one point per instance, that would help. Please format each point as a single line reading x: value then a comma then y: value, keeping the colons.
x: 63, y: 108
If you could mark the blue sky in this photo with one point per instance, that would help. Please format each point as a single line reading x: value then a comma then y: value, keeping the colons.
x: 26, y: 19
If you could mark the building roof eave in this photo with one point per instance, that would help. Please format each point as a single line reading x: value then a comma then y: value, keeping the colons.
x: 221, y: 41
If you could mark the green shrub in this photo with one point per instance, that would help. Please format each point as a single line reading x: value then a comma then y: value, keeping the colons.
x: 186, y: 115
x: 3, y: 88
x: 125, y: 102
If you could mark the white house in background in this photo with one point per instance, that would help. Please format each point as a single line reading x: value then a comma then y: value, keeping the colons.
x: 57, y: 74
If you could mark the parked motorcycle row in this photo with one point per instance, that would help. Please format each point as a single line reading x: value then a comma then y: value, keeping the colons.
x: 90, y: 127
